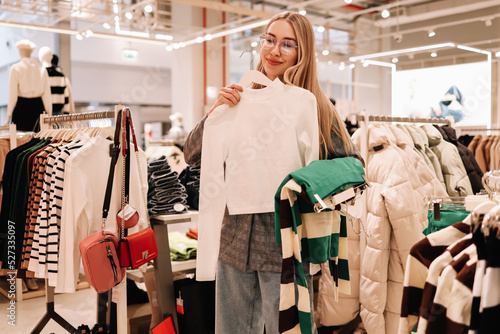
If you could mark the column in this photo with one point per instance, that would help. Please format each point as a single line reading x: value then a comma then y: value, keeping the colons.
x: 197, y: 67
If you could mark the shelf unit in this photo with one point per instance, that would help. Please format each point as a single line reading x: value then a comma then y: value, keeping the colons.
x: 164, y: 268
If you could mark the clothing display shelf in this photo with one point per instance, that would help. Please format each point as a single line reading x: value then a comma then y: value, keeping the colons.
x: 12, y: 134
x: 51, y: 314
x: 164, y: 268
x: 364, y: 120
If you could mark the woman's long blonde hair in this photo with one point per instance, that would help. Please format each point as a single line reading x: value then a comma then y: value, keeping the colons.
x: 304, y: 74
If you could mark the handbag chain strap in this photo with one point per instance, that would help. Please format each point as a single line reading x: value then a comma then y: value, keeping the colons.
x: 114, y: 152
x: 125, y: 145
x: 136, y: 149
x: 127, y: 130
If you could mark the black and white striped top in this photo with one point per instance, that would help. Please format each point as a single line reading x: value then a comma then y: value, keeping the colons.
x: 60, y: 91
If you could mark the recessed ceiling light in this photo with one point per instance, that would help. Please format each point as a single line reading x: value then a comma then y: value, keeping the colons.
x: 432, y: 33
x: 434, y: 54
x: 385, y: 13
x: 321, y: 29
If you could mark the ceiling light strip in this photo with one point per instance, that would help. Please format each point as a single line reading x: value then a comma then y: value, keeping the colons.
x: 402, y: 51
x: 231, y: 31
x: 468, y: 48
x: 75, y: 32
x: 379, y: 63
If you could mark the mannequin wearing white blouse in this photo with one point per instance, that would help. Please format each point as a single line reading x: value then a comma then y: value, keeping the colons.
x: 29, y: 90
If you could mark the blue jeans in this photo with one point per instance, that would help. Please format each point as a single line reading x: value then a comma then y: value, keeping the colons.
x: 248, y: 301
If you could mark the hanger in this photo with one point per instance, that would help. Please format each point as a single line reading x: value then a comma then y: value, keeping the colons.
x: 254, y: 76
x: 479, y: 212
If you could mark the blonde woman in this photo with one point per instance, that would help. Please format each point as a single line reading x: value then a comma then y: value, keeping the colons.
x: 249, y: 259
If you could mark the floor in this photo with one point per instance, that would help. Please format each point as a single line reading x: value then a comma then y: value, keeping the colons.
x: 76, y: 308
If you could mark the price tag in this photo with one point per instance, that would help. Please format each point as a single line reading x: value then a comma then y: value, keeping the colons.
x: 180, y: 304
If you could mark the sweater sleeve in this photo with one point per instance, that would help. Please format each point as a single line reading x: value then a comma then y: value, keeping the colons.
x: 13, y: 91
x: 69, y: 103
x: 193, y: 144
x: 212, y: 194
x: 307, y: 132
x: 46, y: 96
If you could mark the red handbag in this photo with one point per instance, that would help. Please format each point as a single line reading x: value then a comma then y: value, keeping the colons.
x: 138, y: 248
x: 99, y: 257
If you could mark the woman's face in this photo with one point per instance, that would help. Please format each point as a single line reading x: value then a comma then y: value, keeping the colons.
x: 275, y: 61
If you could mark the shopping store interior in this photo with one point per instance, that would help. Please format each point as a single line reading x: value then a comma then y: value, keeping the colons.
x: 167, y: 60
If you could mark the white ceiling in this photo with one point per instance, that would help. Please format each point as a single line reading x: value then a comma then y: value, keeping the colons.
x: 408, y: 22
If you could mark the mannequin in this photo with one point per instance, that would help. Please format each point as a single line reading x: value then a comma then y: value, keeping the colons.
x: 60, y: 87
x: 29, y: 90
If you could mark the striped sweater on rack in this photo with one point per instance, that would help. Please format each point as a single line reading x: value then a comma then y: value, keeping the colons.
x: 450, y: 312
x: 310, y: 237
x: 422, y: 254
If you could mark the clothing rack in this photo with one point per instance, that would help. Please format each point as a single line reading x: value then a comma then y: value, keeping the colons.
x: 12, y: 134
x: 45, y: 122
x: 364, y: 120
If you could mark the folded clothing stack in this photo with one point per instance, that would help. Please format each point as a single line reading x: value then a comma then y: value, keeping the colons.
x: 182, y: 248
x: 166, y: 193
x: 190, y: 178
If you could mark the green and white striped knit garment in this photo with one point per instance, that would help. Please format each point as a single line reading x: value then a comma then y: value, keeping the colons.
x: 310, y: 237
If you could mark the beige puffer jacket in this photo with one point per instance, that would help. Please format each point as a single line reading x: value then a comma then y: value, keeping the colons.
x: 421, y: 143
x: 454, y: 173
x: 395, y: 219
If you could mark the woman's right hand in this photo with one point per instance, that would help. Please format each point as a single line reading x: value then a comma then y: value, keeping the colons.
x: 228, y: 95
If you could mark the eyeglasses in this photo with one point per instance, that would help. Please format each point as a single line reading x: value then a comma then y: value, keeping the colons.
x: 287, y: 46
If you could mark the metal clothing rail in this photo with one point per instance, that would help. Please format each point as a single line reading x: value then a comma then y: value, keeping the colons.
x: 479, y: 129
x: 381, y: 118
x: 46, y: 121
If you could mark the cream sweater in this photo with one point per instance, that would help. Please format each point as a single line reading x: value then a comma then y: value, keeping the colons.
x: 247, y: 151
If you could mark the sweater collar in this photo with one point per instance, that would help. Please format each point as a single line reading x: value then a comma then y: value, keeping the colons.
x: 274, y: 88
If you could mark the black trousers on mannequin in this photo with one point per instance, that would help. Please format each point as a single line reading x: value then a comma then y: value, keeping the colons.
x: 27, y: 112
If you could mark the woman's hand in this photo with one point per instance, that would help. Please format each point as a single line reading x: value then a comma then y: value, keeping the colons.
x: 228, y: 95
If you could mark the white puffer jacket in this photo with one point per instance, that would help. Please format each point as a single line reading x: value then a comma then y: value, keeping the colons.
x: 395, y: 220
